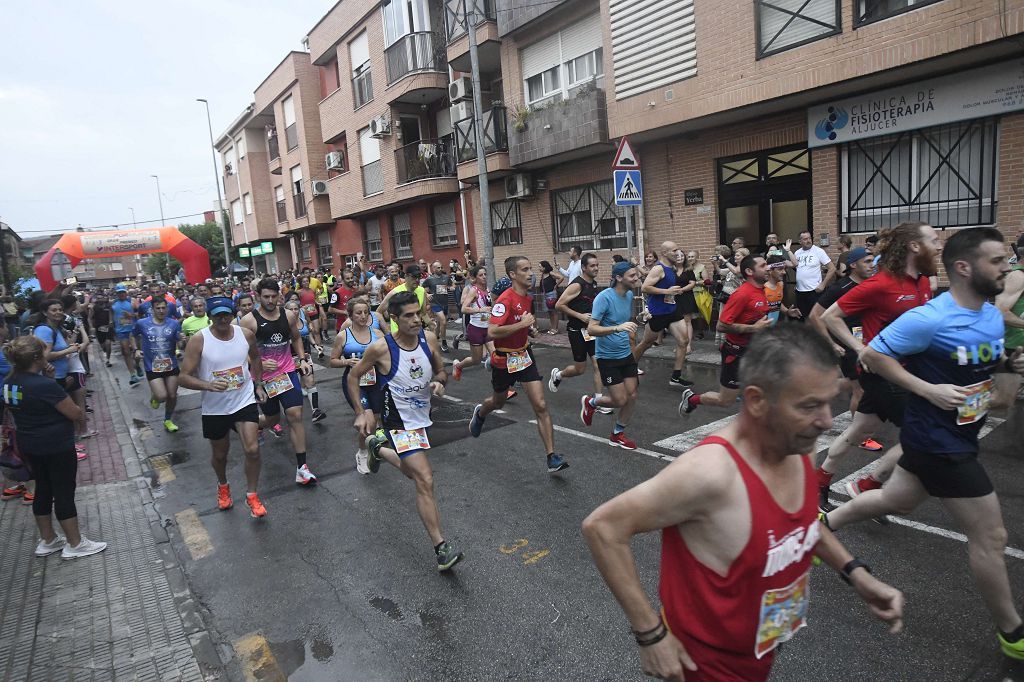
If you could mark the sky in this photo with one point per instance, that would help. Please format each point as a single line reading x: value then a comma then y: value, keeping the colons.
x: 98, y: 95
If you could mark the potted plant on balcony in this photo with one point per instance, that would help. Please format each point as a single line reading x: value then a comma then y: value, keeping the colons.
x: 519, y: 116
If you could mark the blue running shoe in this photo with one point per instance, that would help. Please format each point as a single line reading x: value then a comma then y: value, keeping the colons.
x: 556, y: 463
x: 476, y: 422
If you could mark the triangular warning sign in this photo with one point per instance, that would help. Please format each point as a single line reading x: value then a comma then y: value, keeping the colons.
x: 624, y: 157
x: 628, y: 191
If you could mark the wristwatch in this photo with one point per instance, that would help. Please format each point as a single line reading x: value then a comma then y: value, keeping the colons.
x: 852, y: 565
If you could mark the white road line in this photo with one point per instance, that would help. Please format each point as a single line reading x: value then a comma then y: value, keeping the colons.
x: 599, y: 439
x: 681, y: 442
x: 451, y: 399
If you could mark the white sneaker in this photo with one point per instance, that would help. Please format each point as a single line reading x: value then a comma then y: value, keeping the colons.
x: 556, y: 377
x: 361, y: 458
x: 47, y: 548
x: 303, y: 476
x: 86, y: 547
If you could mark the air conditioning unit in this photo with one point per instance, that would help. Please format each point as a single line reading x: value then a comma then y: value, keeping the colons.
x: 518, y: 186
x: 461, y: 111
x: 380, y: 127
x: 460, y: 89
x: 319, y: 188
x: 335, y: 161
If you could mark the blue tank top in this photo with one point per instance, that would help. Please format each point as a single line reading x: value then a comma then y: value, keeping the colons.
x: 658, y: 304
x: 353, y: 348
x: 304, y: 331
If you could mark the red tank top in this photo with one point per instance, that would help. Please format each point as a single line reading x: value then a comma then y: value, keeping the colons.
x: 734, y: 622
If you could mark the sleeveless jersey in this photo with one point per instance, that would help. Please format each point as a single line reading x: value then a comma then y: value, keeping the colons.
x: 353, y: 348
x: 1014, y: 336
x: 740, y: 618
x: 407, y: 386
x: 227, y: 361
x: 659, y: 304
x: 583, y: 303
x: 483, y: 299
x: 274, y: 339
x: 774, y: 298
x: 101, y: 315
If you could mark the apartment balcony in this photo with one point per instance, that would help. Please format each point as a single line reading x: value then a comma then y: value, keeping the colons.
x: 457, y: 32
x: 373, y: 178
x: 516, y: 14
x: 560, y: 130
x: 425, y: 159
x: 495, y: 133
x: 419, y: 61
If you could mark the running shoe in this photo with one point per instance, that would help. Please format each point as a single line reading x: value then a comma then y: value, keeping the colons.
x: 320, y: 352
x: 109, y: 363
x: 871, y: 445
x: 487, y: 362
x: 476, y: 422
x: 620, y: 440
x: 170, y: 426
x: 1011, y: 649
x: 224, y: 501
x: 89, y: 434
x: 28, y: 498
x: 555, y: 380
x: 444, y: 346
x: 604, y: 410
x: 556, y: 463
x: 361, y: 458
x: 84, y: 548
x: 55, y: 545
x: 447, y: 556
x: 256, y: 508
x: 511, y: 394
x: 154, y: 403
x: 277, y: 430
x: 456, y: 370
x: 303, y: 476
x: 133, y: 380
x: 861, y: 485
x: 679, y: 382
x: 586, y: 410
x: 13, y: 493
x: 318, y: 415
x: 685, y: 406
x: 640, y: 372
x: 80, y: 452
x: 373, y: 445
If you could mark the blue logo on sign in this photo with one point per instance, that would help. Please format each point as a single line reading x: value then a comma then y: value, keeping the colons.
x: 836, y: 120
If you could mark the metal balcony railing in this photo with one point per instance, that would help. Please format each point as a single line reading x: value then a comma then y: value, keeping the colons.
x: 420, y: 51
x: 456, y: 12
x: 300, y: 204
x: 282, y: 211
x: 362, y: 88
x: 425, y: 159
x: 373, y: 178
x: 291, y: 136
x: 275, y: 152
x: 495, y: 134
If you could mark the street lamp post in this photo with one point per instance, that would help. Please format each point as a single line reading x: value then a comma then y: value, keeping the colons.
x: 216, y: 177
x: 138, y: 258
x: 159, y: 198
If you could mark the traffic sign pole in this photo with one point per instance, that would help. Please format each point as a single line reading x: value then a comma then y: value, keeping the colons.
x: 627, y: 185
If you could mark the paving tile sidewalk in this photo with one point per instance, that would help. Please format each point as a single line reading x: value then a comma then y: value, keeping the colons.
x: 119, y: 615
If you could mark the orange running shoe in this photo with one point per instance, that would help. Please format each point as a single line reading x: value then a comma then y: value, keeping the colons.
x: 28, y: 497
x: 13, y: 492
x: 256, y: 508
x: 224, y: 497
x: 871, y: 445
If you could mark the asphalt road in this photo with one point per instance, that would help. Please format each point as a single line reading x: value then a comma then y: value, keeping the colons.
x: 339, y: 581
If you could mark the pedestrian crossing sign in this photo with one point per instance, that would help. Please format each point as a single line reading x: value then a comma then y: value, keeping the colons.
x: 628, y: 188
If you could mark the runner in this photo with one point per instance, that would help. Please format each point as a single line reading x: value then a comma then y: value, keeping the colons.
x: 1011, y: 303
x: 220, y: 361
x: 101, y: 319
x: 576, y: 303
x: 661, y: 288
x: 158, y: 291
x: 198, y: 320
x: 348, y: 348
x: 775, y: 290
x: 744, y: 314
x: 412, y: 283
x: 409, y: 368
x: 124, y: 320
x: 245, y: 303
x: 952, y: 346
x: 511, y: 326
x: 611, y: 327
x: 154, y: 340
x: 739, y: 527
x: 908, y: 255
x: 277, y: 336
x: 476, y: 304
x: 339, y: 298
x: 438, y: 286
x: 307, y: 298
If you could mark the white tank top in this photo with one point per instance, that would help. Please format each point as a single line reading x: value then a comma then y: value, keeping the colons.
x: 407, y: 386
x: 480, y: 319
x: 228, y: 361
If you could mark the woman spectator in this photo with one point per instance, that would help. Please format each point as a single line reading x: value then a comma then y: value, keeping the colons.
x: 549, y: 283
x: 845, y: 244
x: 44, y: 416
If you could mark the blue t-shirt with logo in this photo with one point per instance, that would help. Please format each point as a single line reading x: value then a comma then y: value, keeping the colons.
x: 124, y: 315
x: 32, y: 400
x: 159, y: 342
x: 611, y: 309
x: 943, y: 343
x: 57, y: 343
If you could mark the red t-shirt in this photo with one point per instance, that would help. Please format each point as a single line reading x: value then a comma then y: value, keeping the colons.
x: 308, y: 301
x: 339, y: 299
x: 747, y: 305
x: 881, y: 299
x: 509, y: 309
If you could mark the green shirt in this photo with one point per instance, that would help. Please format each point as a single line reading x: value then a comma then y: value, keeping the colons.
x: 192, y: 325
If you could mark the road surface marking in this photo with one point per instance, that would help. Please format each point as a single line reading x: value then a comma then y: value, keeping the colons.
x: 451, y: 398
x: 682, y: 442
x: 194, y: 534
x: 599, y: 439
x: 257, y: 661
x: 162, y: 466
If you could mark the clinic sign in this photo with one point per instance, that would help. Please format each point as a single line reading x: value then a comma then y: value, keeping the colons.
x: 975, y: 93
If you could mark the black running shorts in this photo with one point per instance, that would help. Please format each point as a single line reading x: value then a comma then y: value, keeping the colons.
x: 502, y: 380
x: 217, y: 426
x: 615, y: 371
x: 581, y: 349
x: 882, y: 399
x: 947, y: 475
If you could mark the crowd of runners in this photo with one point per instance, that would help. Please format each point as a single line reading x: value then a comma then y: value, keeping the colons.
x: 742, y: 514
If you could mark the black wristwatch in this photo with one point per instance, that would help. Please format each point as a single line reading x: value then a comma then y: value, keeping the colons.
x: 850, y: 567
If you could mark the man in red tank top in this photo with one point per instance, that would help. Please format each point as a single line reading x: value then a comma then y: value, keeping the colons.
x: 738, y: 515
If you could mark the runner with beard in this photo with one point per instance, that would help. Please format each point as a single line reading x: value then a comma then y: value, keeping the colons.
x: 661, y: 287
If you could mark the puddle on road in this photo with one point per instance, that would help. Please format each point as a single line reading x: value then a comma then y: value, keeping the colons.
x: 387, y: 607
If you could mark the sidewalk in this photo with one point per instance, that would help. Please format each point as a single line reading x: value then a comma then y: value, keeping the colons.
x: 121, y: 614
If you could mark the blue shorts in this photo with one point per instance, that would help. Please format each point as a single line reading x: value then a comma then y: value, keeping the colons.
x: 123, y: 335
x: 387, y: 432
x: 289, y: 399
x: 436, y: 308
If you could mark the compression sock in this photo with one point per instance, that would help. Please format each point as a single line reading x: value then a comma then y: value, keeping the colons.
x: 300, y: 459
x: 694, y: 399
x: 168, y: 414
x: 677, y: 373
x: 594, y: 399
x: 1015, y: 636
x: 619, y: 428
x: 314, y: 398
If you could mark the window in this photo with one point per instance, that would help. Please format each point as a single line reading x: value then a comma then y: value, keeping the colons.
x: 442, y: 231
x: 588, y: 217
x: 362, y: 81
x: 323, y: 248
x: 247, y: 202
x: 236, y: 212
x: 282, y: 212
x: 298, y: 195
x: 584, y: 68
x: 543, y: 85
x: 945, y: 176
x: 642, y: 62
x: 228, y: 158
x: 867, y: 11
x: 304, y: 247
x: 374, y: 250
x: 784, y: 24
x: 402, y: 17
x: 401, y: 236
x: 369, y: 153
x: 291, y: 133
x: 240, y: 145
x: 576, y: 49
x: 506, y: 223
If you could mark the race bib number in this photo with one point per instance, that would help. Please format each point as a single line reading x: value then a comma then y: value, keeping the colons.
x: 234, y: 377
x: 670, y: 299
x: 441, y: 289
x: 586, y: 335
x: 278, y: 385
x: 309, y: 308
x: 976, y: 403
x: 783, y: 612
x: 162, y: 365
x: 103, y: 328
x: 518, y: 361
x: 406, y: 441
x: 858, y: 333
x: 369, y: 379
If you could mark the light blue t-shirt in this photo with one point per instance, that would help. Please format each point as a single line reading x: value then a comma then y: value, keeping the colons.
x: 57, y: 343
x: 609, y: 310
x: 123, y: 314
